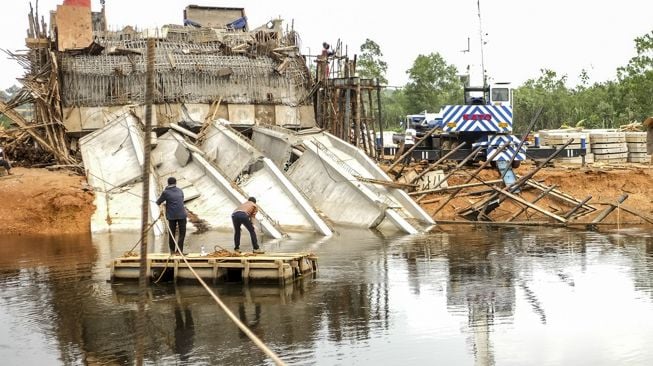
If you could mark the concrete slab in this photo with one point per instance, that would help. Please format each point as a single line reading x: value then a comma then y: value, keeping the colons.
x: 326, y: 168
x: 218, y: 196
x: 259, y: 177
x: 113, y: 159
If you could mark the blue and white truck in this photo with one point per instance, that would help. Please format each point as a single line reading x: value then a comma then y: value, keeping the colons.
x: 484, y: 120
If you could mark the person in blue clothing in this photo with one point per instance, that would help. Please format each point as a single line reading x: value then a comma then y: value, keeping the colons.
x: 176, y: 214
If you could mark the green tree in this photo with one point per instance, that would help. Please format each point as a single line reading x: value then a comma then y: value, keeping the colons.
x: 548, y: 91
x: 433, y: 84
x: 394, y: 111
x: 636, y: 81
x: 370, y: 63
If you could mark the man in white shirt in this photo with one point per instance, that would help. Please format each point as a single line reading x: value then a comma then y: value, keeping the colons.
x: 409, y: 142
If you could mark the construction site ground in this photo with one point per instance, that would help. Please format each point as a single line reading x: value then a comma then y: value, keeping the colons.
x: 603, y: 182
x: 39, y: 201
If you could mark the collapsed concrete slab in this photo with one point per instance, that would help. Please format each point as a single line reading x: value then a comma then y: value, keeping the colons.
x: 339, y: 179
x: 113, y: 159
x: 258, y: 176
x: 214, y: 196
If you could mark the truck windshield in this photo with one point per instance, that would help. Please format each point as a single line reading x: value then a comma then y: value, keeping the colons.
x: 500, y: 95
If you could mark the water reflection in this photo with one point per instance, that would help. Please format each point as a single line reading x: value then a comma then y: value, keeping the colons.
x: 482, y: 296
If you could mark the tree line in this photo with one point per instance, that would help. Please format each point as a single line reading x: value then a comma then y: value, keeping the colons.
x: 433, y: 83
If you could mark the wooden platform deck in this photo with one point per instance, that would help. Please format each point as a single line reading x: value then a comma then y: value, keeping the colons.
x: 263, y: 268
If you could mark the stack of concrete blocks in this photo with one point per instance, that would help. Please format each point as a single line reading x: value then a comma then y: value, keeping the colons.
x: 609, y: 146
x: 636, y: 142
x: 557, y: 138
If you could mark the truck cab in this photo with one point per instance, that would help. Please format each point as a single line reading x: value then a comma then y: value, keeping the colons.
x: 500, y: 94
x: 493, y: 94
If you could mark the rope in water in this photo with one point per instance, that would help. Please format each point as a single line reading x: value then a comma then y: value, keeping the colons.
x: 257, y: 341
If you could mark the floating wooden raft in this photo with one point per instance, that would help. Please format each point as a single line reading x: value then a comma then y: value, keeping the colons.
x: 271, y: 267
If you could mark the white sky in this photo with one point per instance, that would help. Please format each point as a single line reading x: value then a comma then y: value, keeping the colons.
x: 523, y: 35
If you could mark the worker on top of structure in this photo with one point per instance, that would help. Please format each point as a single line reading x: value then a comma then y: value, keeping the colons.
x: 4, y: 162
x: 176, y: 214
x: 243, y: 215
x: 326, y: 50
x: 324, y: 58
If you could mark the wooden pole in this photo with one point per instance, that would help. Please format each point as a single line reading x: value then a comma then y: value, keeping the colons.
x: 607, y: 211
x: 523, y: 139
x: 451, y: 188
x: 632, y: 212
x: 145, y: 209
x: 577, y: 207
x: 357, y: 112
x: 524, y: 208
x: 347, y: 122
x: 483, y: 206
x: 559, y: 195
x: 379, y: 117
x: 534, y: 207
x: 472, y: 176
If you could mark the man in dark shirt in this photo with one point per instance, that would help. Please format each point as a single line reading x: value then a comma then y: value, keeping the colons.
x: 4, y: 162
x: 175, y: 213
x: 243, y: 215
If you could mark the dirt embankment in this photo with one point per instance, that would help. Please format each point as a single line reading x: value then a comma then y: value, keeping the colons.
x: 38, y: 201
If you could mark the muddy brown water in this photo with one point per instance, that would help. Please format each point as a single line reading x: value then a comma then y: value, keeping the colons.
x: 466, y: 297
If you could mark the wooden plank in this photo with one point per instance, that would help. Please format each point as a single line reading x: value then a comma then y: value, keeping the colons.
x: 386, y: 183
x: 608, y: 210
x: 452, y: 188
x: 534, y: 207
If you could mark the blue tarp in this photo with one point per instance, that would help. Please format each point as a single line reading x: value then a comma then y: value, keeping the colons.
x: 240, y: 23
x: 188, y: 22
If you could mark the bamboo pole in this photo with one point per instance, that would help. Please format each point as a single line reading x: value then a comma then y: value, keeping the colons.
x: 451, y: 188
x: 577, y: 207
x: 523, y: 208
x: 472, y: 176
x: 379, y: 117
x: 607, y: 211
x: 483, y: 206
x: 534, y: 207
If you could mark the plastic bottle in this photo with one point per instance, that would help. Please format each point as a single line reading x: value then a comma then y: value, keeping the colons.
x: 202, y: 251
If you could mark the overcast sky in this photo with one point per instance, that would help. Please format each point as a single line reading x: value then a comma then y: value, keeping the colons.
x: 523, y: 36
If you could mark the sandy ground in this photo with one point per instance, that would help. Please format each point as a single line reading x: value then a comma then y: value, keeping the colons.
x: 604, y: 183
x: 38, y: 201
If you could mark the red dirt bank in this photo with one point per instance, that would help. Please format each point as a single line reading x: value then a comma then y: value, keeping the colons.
x: 38, y: 201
